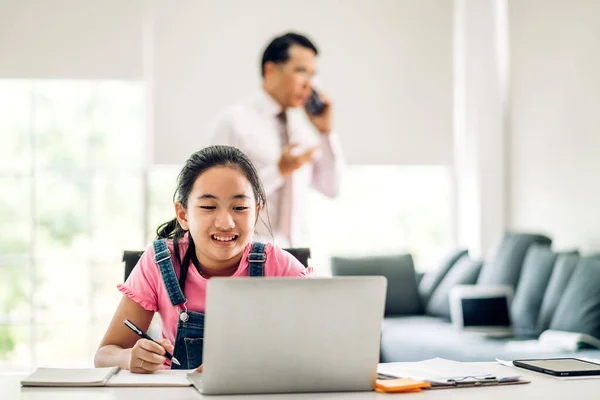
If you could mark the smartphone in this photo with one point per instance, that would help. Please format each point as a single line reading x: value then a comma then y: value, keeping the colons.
x: 560, y: 366
x: 314, y: 105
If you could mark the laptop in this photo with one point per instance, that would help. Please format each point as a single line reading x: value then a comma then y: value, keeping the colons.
x: 290, y: 335
x: 482, y: 309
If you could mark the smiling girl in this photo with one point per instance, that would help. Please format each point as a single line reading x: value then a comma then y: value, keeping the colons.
x: 217, y: 201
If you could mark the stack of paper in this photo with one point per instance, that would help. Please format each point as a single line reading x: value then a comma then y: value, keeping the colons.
x: 446, y: 374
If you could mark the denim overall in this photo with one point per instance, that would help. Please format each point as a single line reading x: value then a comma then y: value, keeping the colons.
x: 190, y: 326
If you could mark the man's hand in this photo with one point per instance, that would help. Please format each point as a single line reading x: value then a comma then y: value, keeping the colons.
x: 322, y: 121
x: 289, y: 162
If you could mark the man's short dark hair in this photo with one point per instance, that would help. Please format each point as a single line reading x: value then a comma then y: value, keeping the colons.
x: 278, y: 50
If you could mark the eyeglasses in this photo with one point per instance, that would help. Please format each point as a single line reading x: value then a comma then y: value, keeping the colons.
x: 298, y: 71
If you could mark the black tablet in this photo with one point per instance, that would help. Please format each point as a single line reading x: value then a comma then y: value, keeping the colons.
x: 560, y: 366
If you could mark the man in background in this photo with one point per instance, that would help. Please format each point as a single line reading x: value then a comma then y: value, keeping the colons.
x: 292, y: 148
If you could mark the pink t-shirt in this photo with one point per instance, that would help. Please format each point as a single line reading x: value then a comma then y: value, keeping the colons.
x: 145, y: 285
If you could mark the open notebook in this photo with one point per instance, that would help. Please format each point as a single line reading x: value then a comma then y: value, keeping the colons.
x: 113, y: 376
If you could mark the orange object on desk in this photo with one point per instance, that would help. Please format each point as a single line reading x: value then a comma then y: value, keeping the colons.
x: 400, y: 385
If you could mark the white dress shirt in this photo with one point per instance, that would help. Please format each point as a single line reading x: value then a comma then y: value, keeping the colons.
x: 254, y: 128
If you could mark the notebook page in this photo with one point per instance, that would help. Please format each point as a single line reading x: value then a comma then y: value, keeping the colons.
x: 165, y: 377
x: 69, y: 376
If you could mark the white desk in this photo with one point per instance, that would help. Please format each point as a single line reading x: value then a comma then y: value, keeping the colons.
x: 541, y: 387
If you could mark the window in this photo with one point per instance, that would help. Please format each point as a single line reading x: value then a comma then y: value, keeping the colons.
x: 384, y: 210
x: 71, y: 170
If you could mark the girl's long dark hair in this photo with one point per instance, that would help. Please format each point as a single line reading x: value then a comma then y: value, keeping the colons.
x: 199, y: 162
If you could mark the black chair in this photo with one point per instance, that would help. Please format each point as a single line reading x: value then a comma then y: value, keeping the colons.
x: 131, y: 257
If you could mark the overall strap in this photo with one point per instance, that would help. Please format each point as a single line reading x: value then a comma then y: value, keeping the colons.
x: 257, y: 258
x: 162, y: 257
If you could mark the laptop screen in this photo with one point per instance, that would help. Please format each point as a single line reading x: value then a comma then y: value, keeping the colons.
x: 489, y: 311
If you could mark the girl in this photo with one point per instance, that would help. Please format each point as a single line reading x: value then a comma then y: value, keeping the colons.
x: 217, y: 201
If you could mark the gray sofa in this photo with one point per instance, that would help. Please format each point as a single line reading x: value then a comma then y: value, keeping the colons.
x: 552, y: 290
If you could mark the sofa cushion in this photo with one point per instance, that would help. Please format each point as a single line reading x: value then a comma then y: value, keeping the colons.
x: 561, y: 273
x: 417, y: 338
x: 464, y: 272
x: 402, y: 296
x: 579, y: 307
x: 432, y: 279
x: 535, y: 274
x: 505, y: 266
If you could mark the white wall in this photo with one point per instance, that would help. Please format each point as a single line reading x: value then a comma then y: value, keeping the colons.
x: 386, y: 64
x: 71, y: 39
x: 554, y: 139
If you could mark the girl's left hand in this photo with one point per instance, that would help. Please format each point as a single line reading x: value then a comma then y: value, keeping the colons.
x: 198, y: 370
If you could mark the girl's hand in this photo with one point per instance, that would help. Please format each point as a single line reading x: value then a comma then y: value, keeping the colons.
x: 198, y: 370
x: 147, y: 357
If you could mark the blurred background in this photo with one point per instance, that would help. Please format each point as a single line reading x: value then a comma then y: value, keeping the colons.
x: 459, y: 120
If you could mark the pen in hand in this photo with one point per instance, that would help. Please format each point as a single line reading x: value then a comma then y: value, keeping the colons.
x: 143, y: 335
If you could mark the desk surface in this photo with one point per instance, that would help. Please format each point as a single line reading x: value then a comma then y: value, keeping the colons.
x: 541, y: 386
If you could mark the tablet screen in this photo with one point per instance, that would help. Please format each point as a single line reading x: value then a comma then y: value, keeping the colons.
x: 564, y: 365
